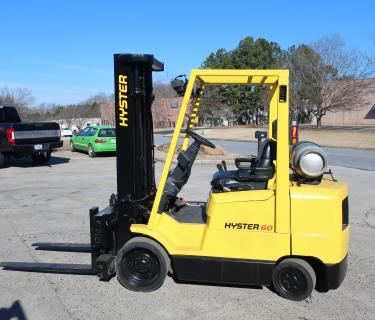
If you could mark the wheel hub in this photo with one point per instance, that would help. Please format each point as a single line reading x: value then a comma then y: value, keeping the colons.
x: 293, y: 281
x: 142, y: 265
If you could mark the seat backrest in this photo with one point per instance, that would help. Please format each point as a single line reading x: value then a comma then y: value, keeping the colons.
x: 265, y: 154
x: 264, y: 167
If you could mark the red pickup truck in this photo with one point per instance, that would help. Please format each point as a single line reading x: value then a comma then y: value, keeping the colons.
x: 18, y: 139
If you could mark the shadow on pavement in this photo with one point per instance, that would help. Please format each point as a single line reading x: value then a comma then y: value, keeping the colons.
x: 211, y: 284
x: 26, y: 162
x: 99, y: 154
x: 14, y: 312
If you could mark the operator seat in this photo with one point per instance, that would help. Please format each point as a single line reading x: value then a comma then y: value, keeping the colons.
x: 254, y: 176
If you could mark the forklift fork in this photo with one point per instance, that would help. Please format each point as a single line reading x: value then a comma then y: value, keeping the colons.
x: 63, y: 247
x: 44, y: 267
x: 102, y: 264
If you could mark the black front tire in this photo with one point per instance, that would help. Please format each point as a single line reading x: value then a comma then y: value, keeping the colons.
x: 91, y: 151
x: 142, y: 265
x: 294, y: 279
x: 41, y: 158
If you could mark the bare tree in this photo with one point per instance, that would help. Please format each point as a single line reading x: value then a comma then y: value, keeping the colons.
x: 21, y: 98
x: 107, y: 113
x: 78, y: 116
x: 163, y: 90
x: 99, y: 98
x: 371, y: 55
x: 326, y: 77
x: 65, y: 116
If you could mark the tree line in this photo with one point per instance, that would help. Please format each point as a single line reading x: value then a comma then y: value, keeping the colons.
x: 72, y: 114
x: 325, y: 76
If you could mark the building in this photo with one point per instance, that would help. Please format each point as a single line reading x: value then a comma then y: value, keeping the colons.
x: 165, y: 112
x: 363, y: 113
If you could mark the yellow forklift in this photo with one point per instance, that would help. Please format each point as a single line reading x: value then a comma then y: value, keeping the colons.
x: 279, y: 219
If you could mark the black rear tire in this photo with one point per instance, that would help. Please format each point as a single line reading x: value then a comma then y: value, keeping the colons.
x: 42, y: 158
x: 72, y: 147
x: 142, y: 265
x: 294, y: 279
x: 91, y: 151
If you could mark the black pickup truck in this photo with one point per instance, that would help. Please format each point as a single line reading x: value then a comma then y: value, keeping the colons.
x: 18, y: 139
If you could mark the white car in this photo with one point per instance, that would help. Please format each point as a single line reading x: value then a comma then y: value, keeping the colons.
x: 66, y: 132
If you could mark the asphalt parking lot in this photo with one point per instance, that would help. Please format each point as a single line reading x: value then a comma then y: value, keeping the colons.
x: 51, y: 203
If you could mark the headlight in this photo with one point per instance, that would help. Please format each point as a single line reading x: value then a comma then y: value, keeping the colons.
x: 308, y: 159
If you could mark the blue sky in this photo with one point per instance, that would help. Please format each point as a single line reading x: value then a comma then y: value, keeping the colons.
x: 63, y: 50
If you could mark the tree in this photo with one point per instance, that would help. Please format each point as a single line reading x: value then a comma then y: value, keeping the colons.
x: 107, y: 113
x: 243, y: 102
x: 326, y: 77
x: 21, y: 98
x: 221, y: 59
x: 301, y: 61
x: 163, y: 90
x: 78, y: 115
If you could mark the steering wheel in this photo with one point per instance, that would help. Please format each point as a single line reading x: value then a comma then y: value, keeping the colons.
x: 200, y: 139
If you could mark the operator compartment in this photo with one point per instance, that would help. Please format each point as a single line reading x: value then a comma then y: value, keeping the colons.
x: 252, y: 173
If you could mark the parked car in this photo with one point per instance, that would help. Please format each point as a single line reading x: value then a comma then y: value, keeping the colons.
x: 18, y: 138
x: 94, y: 140
x: 66, y: 132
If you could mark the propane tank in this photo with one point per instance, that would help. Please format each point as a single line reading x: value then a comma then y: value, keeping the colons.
x: 308, y: 159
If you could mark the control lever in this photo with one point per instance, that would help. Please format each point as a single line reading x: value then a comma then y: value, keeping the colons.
x: 223, y: 162
x: 220, y: 167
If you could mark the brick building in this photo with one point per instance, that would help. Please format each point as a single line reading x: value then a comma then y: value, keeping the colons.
x: 165, y: 112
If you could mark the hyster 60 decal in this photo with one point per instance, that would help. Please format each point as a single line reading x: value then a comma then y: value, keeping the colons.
x: 248, y: 226
x: 123, y: 100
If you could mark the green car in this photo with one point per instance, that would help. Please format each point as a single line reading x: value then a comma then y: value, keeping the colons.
x: 94, y: 139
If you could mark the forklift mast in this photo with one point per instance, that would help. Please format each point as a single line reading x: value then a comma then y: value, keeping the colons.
x: 134, y: 134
